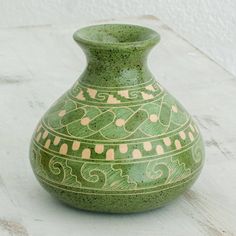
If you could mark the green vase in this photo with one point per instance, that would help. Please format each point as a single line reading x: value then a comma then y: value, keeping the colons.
x: 117, y: 141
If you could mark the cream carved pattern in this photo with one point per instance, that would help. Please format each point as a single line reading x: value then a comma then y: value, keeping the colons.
x: 112, y: 176
x: 116, y: 96
x: 118, y: 127
x: 74, y: 148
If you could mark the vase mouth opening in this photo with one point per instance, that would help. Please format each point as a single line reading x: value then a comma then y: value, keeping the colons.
x: 117, y: 36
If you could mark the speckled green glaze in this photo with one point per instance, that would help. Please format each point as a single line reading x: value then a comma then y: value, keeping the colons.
x: 117, y: 141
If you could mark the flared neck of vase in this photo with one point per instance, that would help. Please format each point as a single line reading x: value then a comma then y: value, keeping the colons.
x: 116, y: 54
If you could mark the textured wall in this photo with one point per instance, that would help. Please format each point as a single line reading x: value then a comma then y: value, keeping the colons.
x: 207, y: 24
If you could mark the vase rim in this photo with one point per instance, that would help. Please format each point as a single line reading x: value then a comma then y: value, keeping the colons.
x: 117, y: 36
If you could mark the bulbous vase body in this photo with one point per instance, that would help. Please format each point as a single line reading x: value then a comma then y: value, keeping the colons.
x: 117, y: 141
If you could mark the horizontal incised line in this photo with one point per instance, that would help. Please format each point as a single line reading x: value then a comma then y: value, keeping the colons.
x: 141, y: 85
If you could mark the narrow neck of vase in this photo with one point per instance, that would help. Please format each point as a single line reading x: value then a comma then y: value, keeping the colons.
x: 116, y: 54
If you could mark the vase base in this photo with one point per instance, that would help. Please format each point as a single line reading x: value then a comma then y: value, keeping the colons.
x: 119, y: 203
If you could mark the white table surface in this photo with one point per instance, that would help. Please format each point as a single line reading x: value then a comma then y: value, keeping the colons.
x: 37, y: 64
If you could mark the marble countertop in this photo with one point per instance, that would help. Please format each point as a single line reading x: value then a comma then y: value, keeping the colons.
x: 37, y: 64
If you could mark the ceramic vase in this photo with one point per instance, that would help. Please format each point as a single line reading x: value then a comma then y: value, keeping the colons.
x: 117, y: 141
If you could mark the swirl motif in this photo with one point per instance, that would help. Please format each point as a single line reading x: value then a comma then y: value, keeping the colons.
x: 53, y: 168
x: 56, y: 167
x: 105, y: 177
x: 157, y: 171
x: 197, y: 153
x: 102, y: 96
x: 134, y: 94
x: 169, y: 170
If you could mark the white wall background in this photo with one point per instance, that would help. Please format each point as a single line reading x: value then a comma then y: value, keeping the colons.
x: 209, y: 25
